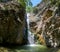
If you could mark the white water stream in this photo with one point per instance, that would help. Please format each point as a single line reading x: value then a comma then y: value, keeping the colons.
x: 30, y: 34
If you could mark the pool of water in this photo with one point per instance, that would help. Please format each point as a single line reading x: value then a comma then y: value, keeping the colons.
x: 30, y: 48
x: 35, y: 48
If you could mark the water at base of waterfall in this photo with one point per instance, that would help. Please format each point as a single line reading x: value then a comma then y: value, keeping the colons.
x: 30, y: 38
x: 33, y: 45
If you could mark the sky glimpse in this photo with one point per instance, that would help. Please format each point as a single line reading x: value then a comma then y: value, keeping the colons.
x: 35, y: 2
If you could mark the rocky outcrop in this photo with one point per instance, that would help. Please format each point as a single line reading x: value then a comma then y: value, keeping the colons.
x: 47, y: 28
x: 12, y: 23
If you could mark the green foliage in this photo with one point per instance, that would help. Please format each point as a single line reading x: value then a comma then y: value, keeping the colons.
x: 27, y: 4
x: 35, y: 10
x: 29, y: 9
x: 22, y: 2
x: 0, y: 0
x: 55, y: 2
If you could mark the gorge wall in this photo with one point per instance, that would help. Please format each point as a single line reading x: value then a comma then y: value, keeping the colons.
x: 12, y: 23
x: 46, y: 23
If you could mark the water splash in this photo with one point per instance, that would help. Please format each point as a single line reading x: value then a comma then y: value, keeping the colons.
x: 30, y: 37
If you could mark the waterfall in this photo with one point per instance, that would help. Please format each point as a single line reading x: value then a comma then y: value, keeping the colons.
x: 30, y: 34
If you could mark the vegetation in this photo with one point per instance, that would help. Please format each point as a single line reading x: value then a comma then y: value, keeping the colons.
x: 13, y: 26
x: 27, y: 4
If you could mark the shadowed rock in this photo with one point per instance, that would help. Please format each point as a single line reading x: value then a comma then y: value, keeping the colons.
x: 12, y: 23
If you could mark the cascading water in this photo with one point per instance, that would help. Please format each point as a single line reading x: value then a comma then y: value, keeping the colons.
x: 30, y: 34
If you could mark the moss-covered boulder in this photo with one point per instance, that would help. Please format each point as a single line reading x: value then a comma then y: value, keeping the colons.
x: 12, y: 23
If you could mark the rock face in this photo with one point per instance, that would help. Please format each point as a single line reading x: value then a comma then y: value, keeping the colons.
x: 47, y: 28
x: 12, y: 23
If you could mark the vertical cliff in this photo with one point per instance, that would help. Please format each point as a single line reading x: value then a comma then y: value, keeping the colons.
x: 12, y: 23
x: 47, y: 23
